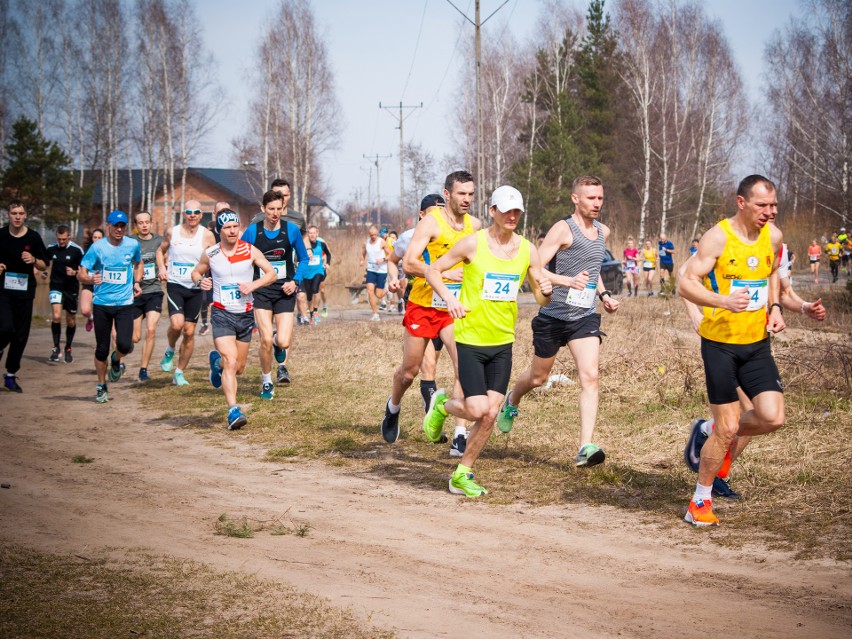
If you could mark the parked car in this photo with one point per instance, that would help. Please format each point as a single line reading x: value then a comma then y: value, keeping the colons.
x: 612, y: 273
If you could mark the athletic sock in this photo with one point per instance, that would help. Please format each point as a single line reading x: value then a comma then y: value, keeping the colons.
x: 427, y: 389
x: 707, y: 427
x: 393, y: 408
x: 460, y: 430
x: 69, y: 335
x: 267, y: 377
x: 461, y: 469
x: 702, y: 493
x: 56, y: 330
x: 170, y: 350
x: 178, y: 372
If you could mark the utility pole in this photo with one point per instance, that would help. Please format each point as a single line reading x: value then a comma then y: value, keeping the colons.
x: 375, y: 160
x: 400, y: 119
x: 480, y: 142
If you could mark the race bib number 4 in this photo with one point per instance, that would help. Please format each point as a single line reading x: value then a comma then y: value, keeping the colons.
x: 438, y: 301
x: 280, y: 269
x: 16, y: 281
x: 501, y: 287
x: 150, y: 271
x: 758, y: 291
x: 115, y: 276
x: 55, y: 297
x: 182, y: 271
x: 584, y: 298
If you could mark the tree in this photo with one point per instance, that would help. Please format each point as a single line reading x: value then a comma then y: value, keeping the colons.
x: 38, y: 173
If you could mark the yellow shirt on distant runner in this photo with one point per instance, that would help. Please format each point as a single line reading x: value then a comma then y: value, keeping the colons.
x: 833, y: 250
x: 421, y: 293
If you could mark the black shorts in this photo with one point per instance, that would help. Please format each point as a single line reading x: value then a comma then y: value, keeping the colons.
x: 146, y: 303
x: 274, y: 299
x: 484, y: 368
x: 749, y: 366
x: 311, y: 286
x: 184, y: 301
x: 89, y: 287
x: 551, y: 334
x: 69, y: 299
x: 667, y: 267
x: 227, y: 324
x: 438, y: 344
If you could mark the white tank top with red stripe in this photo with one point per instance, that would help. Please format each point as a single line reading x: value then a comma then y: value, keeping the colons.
x: 228, y: 273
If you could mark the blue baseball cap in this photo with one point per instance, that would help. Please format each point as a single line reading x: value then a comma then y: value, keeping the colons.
x: 117, y: 217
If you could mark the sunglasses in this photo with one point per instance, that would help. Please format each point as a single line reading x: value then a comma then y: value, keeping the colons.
x: 195, y: 212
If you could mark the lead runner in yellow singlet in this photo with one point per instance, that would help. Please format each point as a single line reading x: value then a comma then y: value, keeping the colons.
x: 734, y: 277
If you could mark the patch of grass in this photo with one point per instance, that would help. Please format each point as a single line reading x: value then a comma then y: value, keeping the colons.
x: 60, y: 596
x: 82, y: 459
x: 228, y: 527
x: 277, y: 454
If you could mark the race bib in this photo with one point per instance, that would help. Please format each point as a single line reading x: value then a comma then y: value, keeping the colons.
x: 438, y: 301
x: 55, y: 297
x: 501, y: 287
x: 584, y: 298
x: 182, y: 271
x: 631, y: 264
x: 150, y: 271
x: 16, y: 281
x: 315, y: 260
x: 647, y: 264
x: 230, y: 295
x: 758, y: 292
x: 280, y: 269
x: 115, y: 276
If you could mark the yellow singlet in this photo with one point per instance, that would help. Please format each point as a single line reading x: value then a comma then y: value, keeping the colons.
x: 421, y: 293
x: 740, y: 265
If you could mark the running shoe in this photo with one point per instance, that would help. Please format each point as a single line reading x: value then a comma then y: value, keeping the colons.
x: 215, y: 361
x: 723, y: 490
x: 143, y: 375
x: 459, y: 445
x: 399, y: 307
x: 590, y: 455
x: 390, y: 425
x: 433, y: 423
x: 54, y: 355
x: 68, y: 357
x: 116, y: 368
x: 179, y: 380
x: 462, y: 484
x: 383, y: 305
x: 101, y: 395
x: 10, y: 383
x: 283, y: 375
x: 375, y: 318
x: 267, y: 391
x: 700, y: 513
x: 324, y: 311
x: 167, y: 363
x: 236, y: 420
x: 506, y: 416
x: 280, y: 353
x: 90, y: 324
x: 205, y: 328
x: 692, y: 451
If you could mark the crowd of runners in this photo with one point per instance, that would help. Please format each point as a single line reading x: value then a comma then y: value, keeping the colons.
x: 457, y: 285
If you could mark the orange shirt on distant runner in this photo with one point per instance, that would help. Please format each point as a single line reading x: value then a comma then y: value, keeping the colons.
x: 814, y: 252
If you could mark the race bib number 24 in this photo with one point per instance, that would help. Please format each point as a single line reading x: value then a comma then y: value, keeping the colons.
x: 501, y: 287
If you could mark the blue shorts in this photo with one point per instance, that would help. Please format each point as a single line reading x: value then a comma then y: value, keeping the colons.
x: 379, y: 279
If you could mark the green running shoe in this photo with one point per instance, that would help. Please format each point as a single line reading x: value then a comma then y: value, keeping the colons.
x: 462, y: 483
x: 590, y: 455
x: 324, y: 311
x: 179, y: 380
x: 267, y: 391
x: 433, y: 423
x: 102, y: 396
x: 167, y: 362
x: 506, y: 416
x: 116, y: 368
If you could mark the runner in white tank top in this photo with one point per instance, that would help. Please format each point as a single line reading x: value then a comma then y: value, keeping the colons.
x: 184, y: 253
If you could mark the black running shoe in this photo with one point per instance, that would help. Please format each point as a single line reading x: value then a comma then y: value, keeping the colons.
x: 68, y: 357
x: 692, y: 451
x: 723, y: 490
x: 390, y: 425
x: 10, y: 382
x: 458, y: 446
x: 54, y: 355
x: 283, y: 376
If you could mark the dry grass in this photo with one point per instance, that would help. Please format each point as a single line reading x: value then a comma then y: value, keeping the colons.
x: 794, y: 482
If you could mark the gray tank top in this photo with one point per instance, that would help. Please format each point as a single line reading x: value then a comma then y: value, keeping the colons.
x: 583, y: 255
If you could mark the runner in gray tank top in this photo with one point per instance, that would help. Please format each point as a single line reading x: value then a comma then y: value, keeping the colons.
x: 573, y: 251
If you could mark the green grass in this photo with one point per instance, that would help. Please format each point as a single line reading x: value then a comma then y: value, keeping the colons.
x: 82, y: 459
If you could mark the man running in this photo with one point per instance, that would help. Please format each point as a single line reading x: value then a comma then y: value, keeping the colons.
x: 319, y: 257
x: 149, y: 304
x: 733, y: 276
x: 21, y: 250
x: 114, y: 266
x: 274, y: 304
x: 834, y: 249
x: 183, y: 244
x: 666, y: 257
x: 232, y: 264
x: 496, y: 261
x: 65, y: 257
x: 574, y: 249
x: 426, y: 316
x: 375, y: 256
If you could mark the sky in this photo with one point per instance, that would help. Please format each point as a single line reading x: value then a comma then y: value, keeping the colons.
x: 409, y: 51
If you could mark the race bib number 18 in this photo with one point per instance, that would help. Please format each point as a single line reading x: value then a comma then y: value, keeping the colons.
x: 758, y: 292
x: 230, y: 296
x: 501, y: 287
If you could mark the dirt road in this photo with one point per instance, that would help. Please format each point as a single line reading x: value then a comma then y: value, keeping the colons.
x: 422, y: 562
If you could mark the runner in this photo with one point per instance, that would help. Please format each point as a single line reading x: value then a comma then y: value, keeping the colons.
x: 496, y: 261
x: 87, y: 290
x: 207, y: 304
x: 375, y: 256
x: 814, y: 253
x: 631, y: 266
x: 318, y: 260
x: 846, y: 254
x: 324, y: 311
x: 733, y: 276
x: 232, y: 264
x: 574, y: 249
x: 184, y: 244
x: 692, y: 250
x: 445, y: 221
x: 149, y: 304
x: 649, y: 263
x: 65, y: 257
x: 833, y: 250
x: 114, y: 266
x: 21, y: 250
x: 666, y: 253
x: 274, y: 304
x: 395, y: 297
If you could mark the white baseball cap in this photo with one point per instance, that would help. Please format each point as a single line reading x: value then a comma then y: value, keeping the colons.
x: 506, y: 198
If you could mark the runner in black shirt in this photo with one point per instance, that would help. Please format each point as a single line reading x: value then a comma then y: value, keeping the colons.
x: 65, y: 257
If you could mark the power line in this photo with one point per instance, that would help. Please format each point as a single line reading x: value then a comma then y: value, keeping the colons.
x: 401, y: 119
x: 416, y: 46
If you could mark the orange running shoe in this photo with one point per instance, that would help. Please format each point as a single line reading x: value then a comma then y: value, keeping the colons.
x: 700, y: 513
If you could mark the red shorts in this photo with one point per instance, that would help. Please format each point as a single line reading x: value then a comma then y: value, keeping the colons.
x: 425, y: 321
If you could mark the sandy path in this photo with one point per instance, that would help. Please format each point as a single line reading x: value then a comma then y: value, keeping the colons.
x: 415, y: 560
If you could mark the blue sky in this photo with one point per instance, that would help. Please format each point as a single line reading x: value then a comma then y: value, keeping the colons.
x: 407, y: 50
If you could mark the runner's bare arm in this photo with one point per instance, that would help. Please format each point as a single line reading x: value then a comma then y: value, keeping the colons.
x: 539, y: 282
x: 691, y: 286
x: 775, y: 321
x: 425, y: 231
x: 160, y: 256
x: 462, y: 251
x: 696, y: 314
x: 84, y: 277
x: 560, y: 237
x: 395, y: 283
x: 209, y: 239
x: 201, y: 269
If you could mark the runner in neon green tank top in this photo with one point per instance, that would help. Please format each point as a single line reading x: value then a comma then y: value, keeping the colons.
x: 496, y: 261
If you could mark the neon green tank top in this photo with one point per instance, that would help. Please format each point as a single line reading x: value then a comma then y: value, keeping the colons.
x: 490, y: 290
